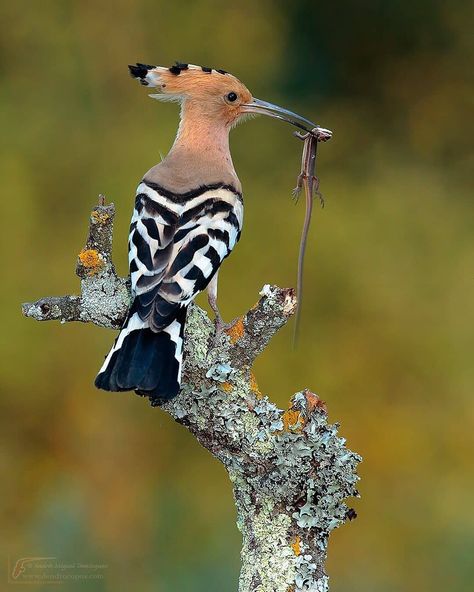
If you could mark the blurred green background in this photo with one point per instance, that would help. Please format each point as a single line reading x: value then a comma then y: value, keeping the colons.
x: 387, y: 336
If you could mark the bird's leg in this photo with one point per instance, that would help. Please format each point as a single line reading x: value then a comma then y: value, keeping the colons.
x: 212, y: 298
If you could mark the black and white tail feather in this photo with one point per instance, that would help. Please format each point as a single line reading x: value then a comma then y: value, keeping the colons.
x: 177, y: 243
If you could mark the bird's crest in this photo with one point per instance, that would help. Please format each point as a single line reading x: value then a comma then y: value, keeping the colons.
x: 188, y: 80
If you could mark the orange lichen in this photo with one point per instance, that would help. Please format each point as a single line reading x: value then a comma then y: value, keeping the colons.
x: 314, y: 402
x: 236, y: 331
x: 254, y: 386
x: 227, y: 387
x: 99, y: 217
x: 292, y: 420
x: 296, y: 546
x: 91, y: 259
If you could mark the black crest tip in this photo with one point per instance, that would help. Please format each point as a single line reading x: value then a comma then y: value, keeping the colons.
x: 139, y: 71
x: 178, y: 68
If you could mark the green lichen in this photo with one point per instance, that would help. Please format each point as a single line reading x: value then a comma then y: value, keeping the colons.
x: 276, y: 559
x: 286, y: 483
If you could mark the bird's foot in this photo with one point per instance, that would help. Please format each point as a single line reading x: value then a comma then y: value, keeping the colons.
x: 220, y: 327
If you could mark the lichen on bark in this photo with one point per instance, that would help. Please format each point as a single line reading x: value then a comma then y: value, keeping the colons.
x: 291, y: 471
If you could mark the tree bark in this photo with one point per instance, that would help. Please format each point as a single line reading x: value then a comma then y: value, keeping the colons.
x: 290, y: 470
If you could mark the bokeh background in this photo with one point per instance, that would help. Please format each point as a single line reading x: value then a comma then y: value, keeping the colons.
x: 387, y: 333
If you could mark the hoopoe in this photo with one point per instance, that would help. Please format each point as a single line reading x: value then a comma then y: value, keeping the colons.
x: 187, y: 219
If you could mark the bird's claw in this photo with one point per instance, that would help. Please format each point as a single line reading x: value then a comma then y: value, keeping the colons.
x: 220, y: 327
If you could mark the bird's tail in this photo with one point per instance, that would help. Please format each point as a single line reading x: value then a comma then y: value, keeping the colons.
x: 146, y: 361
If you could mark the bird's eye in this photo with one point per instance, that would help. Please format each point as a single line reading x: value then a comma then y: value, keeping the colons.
x: 231, y: 97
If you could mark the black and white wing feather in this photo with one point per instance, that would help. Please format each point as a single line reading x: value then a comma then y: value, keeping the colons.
x: 177, y: 243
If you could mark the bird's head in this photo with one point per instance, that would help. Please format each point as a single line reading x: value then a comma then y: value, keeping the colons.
x: 214, y: 93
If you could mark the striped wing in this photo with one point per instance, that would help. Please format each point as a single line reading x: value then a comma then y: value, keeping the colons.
x: 176, y: 245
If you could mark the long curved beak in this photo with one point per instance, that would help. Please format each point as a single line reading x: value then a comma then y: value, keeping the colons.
x: 264, y: 108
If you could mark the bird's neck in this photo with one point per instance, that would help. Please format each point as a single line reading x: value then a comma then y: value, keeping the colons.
x: 201, y: 148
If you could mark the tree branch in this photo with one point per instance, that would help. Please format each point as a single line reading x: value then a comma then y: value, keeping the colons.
x: 290, y: 470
